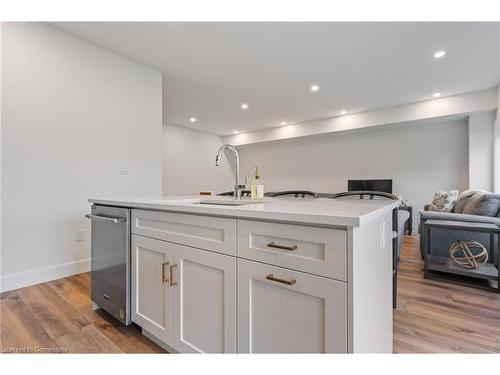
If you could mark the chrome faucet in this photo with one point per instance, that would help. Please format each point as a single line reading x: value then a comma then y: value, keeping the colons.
x: 237, y: 186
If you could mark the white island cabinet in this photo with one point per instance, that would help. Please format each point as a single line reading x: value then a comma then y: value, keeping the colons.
x: 263, y: 278
x: 183, y: 296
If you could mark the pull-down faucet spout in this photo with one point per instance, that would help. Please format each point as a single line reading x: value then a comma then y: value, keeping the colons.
x: 237, y: 186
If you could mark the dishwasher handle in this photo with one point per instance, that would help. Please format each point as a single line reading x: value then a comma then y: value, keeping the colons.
x: 114, y: 220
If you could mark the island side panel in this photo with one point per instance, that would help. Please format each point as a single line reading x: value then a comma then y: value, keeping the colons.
x: 370, y: 314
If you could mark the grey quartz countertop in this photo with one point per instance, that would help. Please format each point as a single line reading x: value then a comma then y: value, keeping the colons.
x: 323, y: 211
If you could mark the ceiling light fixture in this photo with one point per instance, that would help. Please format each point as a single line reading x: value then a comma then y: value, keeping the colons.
x: 439, y: 54
x: 192, y: 119
x: 244, y: 106
x: 314, y: 88
x: 436, y: 94
x: 343, y: 112
x: 283, y: 123
x: 236, y: 132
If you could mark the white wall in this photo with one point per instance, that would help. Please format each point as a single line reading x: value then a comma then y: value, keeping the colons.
x: 420, y: 159
x: 481, y: 142
x: 74, y: 115
x: 1, y: 117
x: 189, y: 162
x: 496, y: 151
x: 498, y: 107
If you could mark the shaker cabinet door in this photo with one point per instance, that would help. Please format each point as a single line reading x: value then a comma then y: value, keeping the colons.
x: 204, y: 301
x: 285, y: 311
x: 152, y: 300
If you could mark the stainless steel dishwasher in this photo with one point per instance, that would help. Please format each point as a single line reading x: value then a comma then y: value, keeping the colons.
x: 110, y: 260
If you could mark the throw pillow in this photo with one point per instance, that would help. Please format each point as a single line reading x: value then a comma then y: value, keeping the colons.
x: 470, y: 192
x: 483, y: 205
x: 463, y: 198
x: 444, y: 201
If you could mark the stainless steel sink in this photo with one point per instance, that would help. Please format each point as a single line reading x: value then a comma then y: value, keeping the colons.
x: 226, y: 202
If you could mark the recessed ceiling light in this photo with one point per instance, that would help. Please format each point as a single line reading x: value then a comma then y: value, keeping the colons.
x: 236, y: 132
x: 244, y: 106
x: 436, y: 94
x: 343, y: 112
x: 314, y: 88
x: 439, y: 54
x: 192, y: 119
x: 283, y: 122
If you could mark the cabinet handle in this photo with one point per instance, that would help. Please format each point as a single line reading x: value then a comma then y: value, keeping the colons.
x: 163, y: 278
x: 114, y: 220
x: 172, y: 282
x: 280, y: 280
x: 289, y: 248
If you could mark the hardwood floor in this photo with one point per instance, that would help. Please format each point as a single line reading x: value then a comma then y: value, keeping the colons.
x: 439, y: 317
x: 431, y: 317
x: 57, y: 317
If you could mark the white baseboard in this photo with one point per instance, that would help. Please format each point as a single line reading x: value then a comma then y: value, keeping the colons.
x: 42, y: 275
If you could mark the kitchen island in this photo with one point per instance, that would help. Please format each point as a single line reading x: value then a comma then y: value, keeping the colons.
x: 218, y: 276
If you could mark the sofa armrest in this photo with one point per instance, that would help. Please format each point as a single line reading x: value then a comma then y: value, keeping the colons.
x: 449, y: 216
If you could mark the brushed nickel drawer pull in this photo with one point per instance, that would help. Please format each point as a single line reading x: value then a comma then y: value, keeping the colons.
x: 163, y: 278
x: 172, y: 282
x: 289, y: 248
x: 280, y: 280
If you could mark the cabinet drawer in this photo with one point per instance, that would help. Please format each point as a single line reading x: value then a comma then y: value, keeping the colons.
x: 210, y: 233
x: 321, y: 251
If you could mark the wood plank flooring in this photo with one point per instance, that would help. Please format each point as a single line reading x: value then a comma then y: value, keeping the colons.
x: 57, y: 317
x: 432, y: 317
x: 439, y: 317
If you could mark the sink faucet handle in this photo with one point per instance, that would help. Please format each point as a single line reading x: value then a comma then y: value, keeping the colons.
x: 245, y: 183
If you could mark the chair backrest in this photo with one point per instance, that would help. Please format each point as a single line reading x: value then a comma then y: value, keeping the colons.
x: 296, y: 193
x: 362, y: 194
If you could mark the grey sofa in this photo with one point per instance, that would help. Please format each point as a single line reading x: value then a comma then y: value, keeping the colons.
x: 442, y: 239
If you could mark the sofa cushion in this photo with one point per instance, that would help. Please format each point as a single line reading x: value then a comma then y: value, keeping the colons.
x: 483, y: 205
x: 444, y: 201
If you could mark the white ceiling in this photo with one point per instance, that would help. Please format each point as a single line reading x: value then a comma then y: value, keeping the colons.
x: 211, y: 68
